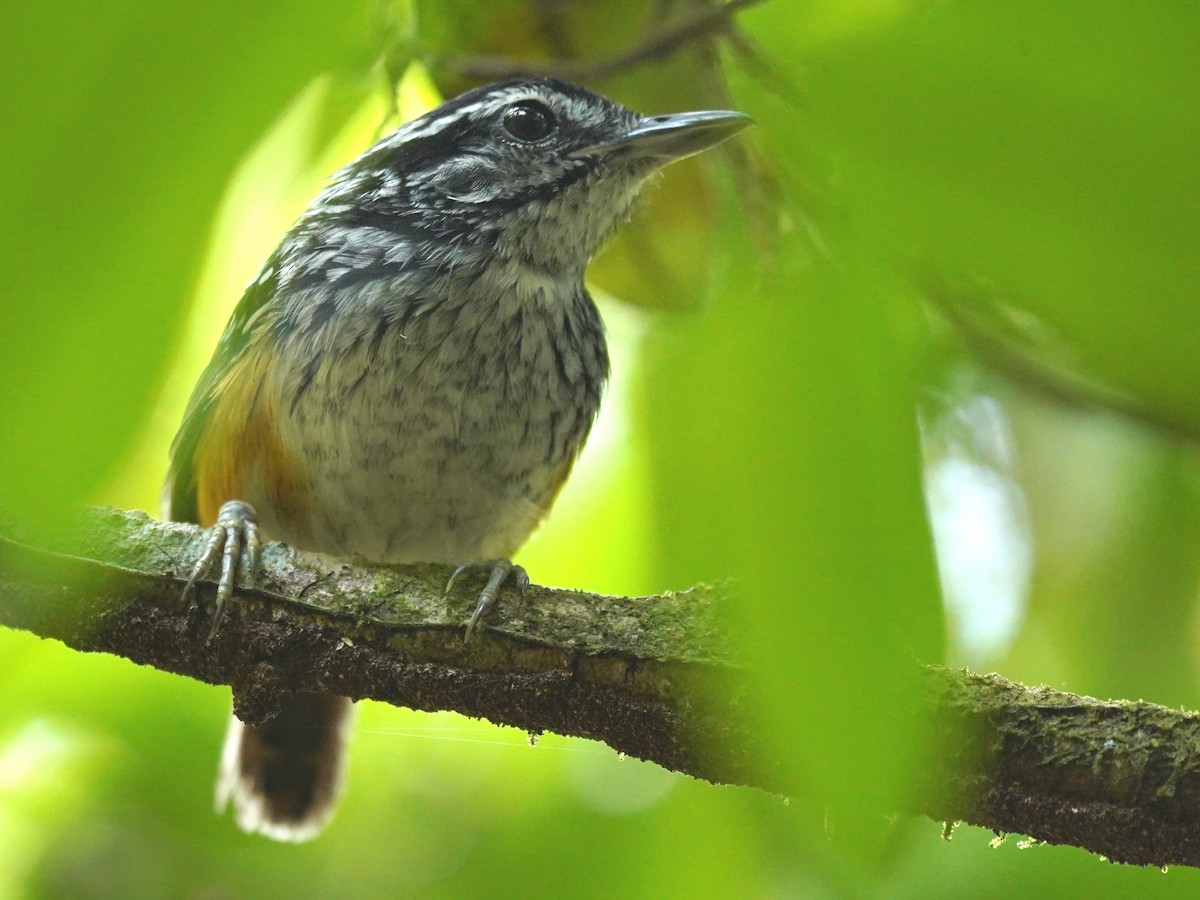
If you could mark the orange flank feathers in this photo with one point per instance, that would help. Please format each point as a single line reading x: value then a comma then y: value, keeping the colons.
x: 240, y: 455
x: 560, y: 479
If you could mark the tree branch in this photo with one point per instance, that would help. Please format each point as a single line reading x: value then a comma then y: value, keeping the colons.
x: 1119, y: 778
x: 649, y: 676
x: 652, y: 677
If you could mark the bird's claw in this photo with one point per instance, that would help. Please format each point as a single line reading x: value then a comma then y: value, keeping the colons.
x: 501, y: 570
x: 235, y: 539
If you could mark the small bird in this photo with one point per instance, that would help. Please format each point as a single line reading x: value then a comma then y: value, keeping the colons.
x: 413, y: 373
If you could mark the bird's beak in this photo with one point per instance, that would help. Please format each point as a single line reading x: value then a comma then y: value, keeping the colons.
x: 664, y: 139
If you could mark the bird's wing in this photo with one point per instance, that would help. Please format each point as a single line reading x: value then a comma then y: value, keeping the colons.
x: 180, y: 502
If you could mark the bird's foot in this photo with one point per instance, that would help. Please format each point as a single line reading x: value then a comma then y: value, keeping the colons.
x: 236, y: 541
x: 499, y: 571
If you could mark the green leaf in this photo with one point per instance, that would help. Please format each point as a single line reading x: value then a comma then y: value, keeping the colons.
x: 123, y: 123
x: 1054, y: 162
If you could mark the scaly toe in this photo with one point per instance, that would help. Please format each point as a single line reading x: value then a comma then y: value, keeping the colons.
x: 235, y: 539
x: 501, y: 570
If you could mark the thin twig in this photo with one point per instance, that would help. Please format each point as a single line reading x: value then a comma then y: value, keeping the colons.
x: 706, y: 23
x: 1030, y: 362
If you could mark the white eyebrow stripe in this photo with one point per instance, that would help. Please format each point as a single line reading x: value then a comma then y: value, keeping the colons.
x: 414, y: 131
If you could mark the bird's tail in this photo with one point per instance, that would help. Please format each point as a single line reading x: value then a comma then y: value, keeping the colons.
x: 285, y: 777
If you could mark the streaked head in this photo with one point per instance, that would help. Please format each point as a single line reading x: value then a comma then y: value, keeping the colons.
x: 535, y: 169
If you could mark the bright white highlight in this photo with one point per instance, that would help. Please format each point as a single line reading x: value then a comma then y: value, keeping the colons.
x: 980, y: 525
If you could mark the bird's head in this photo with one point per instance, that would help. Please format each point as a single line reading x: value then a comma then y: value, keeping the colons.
x: 534, y: 170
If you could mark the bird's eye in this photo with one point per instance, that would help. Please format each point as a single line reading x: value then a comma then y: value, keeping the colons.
x: 529, y: 121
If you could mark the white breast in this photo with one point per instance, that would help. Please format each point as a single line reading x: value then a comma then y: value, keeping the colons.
x: 443, y: 436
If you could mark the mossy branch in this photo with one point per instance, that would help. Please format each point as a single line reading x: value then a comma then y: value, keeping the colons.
x: 652, y: 677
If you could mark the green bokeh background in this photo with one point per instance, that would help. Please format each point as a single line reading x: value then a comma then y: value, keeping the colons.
x: 761, y: 425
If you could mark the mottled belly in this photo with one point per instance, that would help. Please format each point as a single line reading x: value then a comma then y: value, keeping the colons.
x: 427, y: 449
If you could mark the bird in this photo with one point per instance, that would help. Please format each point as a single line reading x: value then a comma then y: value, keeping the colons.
x: 412, y: 374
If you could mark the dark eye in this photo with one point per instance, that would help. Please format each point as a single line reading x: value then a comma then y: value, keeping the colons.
x: 528, y: 121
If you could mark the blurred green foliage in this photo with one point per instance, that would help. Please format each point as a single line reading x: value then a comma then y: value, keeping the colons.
x: 1049, y: 152
x: 1043, y: 151
x: 123, y: 122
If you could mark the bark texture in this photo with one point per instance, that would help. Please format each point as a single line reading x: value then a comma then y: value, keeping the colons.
x: 652, y: 677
